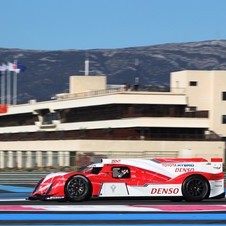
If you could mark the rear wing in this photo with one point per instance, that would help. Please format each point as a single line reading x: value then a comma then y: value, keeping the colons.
x: 216, y: 160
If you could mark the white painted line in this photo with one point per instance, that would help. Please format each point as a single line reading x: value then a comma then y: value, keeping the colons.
x: 13, y: 200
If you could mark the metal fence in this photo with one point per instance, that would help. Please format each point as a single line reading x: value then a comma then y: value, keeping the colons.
x: 21, y: 178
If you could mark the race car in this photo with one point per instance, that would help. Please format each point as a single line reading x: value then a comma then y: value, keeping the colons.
x: 190, y: 179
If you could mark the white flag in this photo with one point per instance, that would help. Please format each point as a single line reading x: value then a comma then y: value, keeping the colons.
x: 13, y: 67
x: 3, y: 67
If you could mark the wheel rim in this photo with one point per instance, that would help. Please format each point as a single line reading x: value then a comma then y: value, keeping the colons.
x: 196, y: 188
x: 76, y: 187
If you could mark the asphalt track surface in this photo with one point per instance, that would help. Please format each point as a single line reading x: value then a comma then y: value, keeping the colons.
x: 16, y: 200
x: 14, y: 210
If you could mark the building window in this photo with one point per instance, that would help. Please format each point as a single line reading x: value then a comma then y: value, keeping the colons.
x: 223, y: 119
x: 193, y: 83
x: 49, y: 117
x: 223, y: 95
x: 192, y: 108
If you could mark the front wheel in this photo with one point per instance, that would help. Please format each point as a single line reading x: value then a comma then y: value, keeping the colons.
x: 78, y: 188
x: 195, y: 188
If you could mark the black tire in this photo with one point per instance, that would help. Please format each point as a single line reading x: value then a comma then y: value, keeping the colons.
x: 195, y: 188
x: 78, y: 188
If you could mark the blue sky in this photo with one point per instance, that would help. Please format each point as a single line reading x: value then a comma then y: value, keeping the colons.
x: 95, y: 24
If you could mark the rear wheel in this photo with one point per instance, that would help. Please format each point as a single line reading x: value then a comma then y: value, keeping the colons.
x: 78, y: 188
x: 195, y: 188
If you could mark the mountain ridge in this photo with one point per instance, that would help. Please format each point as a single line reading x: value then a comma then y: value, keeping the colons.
x: 48, y: 71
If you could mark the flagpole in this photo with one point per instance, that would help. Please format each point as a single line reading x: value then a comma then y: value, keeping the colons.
x: 15, y: 89
x: 15, y: 86
x: 8, y: 87
x: 3, y: 87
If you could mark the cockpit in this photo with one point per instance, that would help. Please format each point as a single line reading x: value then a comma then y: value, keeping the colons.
x: 93, y: 168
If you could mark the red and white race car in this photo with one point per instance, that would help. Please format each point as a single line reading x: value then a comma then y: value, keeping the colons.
x: 190, y: 179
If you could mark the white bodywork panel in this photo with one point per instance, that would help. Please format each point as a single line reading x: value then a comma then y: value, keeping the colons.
x: 121, y: 189
x: 53, y: 175
x: 216, y: 187
x: 114, y: 189
x: 152, y: 190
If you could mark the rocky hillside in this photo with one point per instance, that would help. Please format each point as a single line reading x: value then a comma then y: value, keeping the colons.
x: 48, y: 71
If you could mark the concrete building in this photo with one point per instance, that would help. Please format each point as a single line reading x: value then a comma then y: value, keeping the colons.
x: 93, y: 121
x: 205, y: 91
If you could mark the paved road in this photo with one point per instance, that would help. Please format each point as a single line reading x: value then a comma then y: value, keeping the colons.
x: 16, y: 210
x: 19, y: 193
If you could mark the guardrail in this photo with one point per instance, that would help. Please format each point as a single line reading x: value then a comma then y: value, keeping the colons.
x: 21, y: 178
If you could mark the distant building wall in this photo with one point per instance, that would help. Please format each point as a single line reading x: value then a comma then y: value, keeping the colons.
x: 79, y: 84
x: 196, y: 85
x: 218, y: 103
x: 205, y: 90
